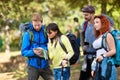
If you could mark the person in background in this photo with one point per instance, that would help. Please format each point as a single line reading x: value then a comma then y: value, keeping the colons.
x: 59, y: 58
x: 87, y: 39
x: 77, y: 29
x: 69, y: 29
x: 101, y: 27
x: 34, y: 50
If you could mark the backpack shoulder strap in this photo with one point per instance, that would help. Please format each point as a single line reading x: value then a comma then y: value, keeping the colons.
x: 104, y: 40
x: 31, y: 36
x: 85, y: 25
x: 62, y: 45
x: 83, y: 32
x: 45, y: 32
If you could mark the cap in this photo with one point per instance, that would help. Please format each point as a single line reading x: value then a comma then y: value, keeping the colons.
x: 89, y: 9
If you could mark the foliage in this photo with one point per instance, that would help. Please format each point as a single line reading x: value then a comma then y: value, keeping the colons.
x: 62, y: 12
x: 109, y: 7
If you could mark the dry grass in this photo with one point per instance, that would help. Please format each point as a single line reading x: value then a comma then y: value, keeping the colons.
x: 20, y: 74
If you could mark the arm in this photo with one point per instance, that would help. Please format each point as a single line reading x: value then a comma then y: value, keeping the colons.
x: 111, y: 46
x: 90, y: 49
x: 26, y: 50
x: 82, y: 35
x: 50, y: 54
x: 68, y: 46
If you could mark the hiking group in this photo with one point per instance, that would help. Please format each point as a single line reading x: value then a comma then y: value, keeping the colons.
x: 50, y: 53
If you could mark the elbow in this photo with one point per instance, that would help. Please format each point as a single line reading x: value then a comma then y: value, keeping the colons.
x: 23, y: 54
x: 114, y: 51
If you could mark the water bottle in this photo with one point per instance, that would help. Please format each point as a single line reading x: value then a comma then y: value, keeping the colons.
x: 93, y: 66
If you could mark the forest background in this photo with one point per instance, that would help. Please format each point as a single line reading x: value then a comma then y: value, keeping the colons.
x: 62, y: 12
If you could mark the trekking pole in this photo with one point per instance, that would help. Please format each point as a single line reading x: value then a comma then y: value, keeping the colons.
x: 62, y: 73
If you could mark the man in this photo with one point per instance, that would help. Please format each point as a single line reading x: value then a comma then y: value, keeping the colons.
x: 37, y: 64
x: 86, y: 41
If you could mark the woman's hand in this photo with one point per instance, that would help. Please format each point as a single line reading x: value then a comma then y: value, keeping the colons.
x: 64, y: 62
x: 99, y: 58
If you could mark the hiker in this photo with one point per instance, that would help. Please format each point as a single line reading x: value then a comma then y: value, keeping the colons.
x: 87, y: 38
x: 34, y: 50
x: 58, y: 57
x: 77, y: 28
x: 69, y: 29
x: 106, y: 70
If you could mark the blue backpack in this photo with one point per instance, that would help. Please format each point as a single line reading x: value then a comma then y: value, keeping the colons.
x: 116, y: 35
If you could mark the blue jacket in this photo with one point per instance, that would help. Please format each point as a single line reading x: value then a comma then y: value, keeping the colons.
x: 39, y: 40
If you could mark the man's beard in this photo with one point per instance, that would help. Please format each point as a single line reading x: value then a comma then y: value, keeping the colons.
x: 87, y: 19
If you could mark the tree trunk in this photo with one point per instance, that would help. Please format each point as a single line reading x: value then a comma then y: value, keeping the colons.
x: 7, y: 40
x: 89, y: 2
x: 103, y: 6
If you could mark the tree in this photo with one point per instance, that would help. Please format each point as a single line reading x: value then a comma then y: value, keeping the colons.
x: 109, y: 7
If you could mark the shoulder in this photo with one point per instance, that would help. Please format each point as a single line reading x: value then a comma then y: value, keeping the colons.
x: 63, y: 37
x: 26, y: 33
x: 109, y: 36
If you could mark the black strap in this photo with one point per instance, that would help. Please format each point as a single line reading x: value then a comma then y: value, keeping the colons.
x: 85, y: 25
x: 62, y: 45
x: 83, y: 32
x: 103, y: 43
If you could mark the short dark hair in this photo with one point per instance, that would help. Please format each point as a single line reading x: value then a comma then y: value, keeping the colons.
x: 89, y: 9
x: 75, y: 19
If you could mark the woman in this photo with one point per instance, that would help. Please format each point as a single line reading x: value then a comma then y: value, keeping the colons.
x: 101, y: 27
x: 60, y: 60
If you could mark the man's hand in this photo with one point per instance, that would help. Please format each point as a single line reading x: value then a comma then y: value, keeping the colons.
x: 38, y: 51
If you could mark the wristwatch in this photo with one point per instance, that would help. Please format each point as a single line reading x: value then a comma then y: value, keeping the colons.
x: 103, y: 55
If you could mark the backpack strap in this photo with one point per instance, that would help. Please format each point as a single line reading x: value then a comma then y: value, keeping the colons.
x: 104, y: 40
x: 85, y: 25
x: 31, y: 36
x: 83, y: 32
x: 62, y: 45
x: 45, y: 32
